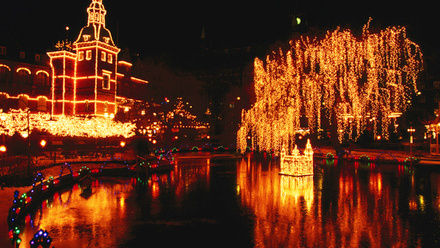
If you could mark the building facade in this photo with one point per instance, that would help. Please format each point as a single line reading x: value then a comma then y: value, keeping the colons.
x: 80, y: 78
x: 84, y: 80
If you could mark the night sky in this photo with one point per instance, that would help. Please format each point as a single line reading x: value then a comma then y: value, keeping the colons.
x: 174, y: 26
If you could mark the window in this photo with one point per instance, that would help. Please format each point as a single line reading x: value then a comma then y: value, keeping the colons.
x: 22, y: 55
x: 103, y: 56
x: 110, y: 59
x: 42, y: 78
x: 4, y: 74
x: 88, y: 54
x: 81, y: 56
x: 2, y: 50
x: 22, y: 102
x: 42, y: 103
x: 86, y: 37
x: 37, y: 57
x: 24, y: 76
x: 106, y: 81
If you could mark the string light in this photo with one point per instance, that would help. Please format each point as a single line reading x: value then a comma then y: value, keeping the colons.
x: 16, y: 121
x: 72, y: 84
x: 189, y: 119
x: 297, y: 164
x: 355, y: 81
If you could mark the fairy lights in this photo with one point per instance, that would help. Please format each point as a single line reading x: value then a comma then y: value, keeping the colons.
x: 339, y: 80
x: 97, y: 127
x: 181, y: 114
x: 84, y: 77
x: 297, y: 164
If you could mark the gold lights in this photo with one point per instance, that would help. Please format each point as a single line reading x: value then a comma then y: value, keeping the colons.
x: 339, y: 80
x: 297, y: 164
x: 96, y: 127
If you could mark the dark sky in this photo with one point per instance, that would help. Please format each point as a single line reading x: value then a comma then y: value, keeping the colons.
x: 154, y: 27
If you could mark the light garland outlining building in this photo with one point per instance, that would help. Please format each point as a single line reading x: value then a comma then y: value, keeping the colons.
x: 84, y: 81
x: 297, y: 164
x: 79, y: 80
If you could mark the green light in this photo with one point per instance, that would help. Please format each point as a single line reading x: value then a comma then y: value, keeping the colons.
x: 298, y: 21
x: 18, y: 241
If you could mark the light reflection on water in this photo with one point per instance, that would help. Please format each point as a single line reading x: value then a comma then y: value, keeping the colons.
x: 76, y: 219
x: 212, y: 203
x: 348, y: 205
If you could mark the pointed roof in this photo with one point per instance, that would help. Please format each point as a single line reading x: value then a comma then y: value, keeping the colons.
x: 95, y: 29
x: 96, y: 13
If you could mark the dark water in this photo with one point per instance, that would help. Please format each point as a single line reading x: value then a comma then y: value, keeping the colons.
x: 210, y: 202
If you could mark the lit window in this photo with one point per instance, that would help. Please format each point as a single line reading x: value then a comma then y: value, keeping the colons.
x: 86, y: 37
x: 106, y: 81
x: 81, y: 56
x: 22, y: 101
x: 88, y: 54
x: 110, y: 59
x: 42, y: 103
x: 103, y: 56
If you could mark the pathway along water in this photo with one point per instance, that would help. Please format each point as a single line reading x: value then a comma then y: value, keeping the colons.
x: 208, y: 202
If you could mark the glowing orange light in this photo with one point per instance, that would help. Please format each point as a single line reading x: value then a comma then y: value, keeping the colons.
x: 122, y: 144
x: 2, y: 148
x: 43, y: 143
x: 297, y: 164
x: 16, y: 121
x: 348, y: 81
x: 69, y: 79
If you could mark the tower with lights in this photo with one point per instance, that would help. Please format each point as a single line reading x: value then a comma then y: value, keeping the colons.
x: 84, y: 78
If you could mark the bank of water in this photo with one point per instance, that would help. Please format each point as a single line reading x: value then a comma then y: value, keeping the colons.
x: 213, y: 202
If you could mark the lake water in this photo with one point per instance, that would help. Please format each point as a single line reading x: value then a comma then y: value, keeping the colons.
x: 219, y: 202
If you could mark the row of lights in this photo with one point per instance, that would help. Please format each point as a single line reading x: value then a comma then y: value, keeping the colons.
x: 3, y: 148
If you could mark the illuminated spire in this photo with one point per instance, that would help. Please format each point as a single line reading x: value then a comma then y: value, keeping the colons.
x: 96, y: 13
x: 95, y: 29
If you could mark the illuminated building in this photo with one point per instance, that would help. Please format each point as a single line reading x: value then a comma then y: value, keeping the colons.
x: 78, y: 80
x: 84, y: 80
x: 297, y: 164
x: 24, y: 80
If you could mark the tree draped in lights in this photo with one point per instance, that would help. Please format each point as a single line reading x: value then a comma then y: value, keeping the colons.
x: 340, y: 80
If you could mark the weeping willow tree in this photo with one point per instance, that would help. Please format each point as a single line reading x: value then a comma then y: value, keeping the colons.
x: 344, y: 81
